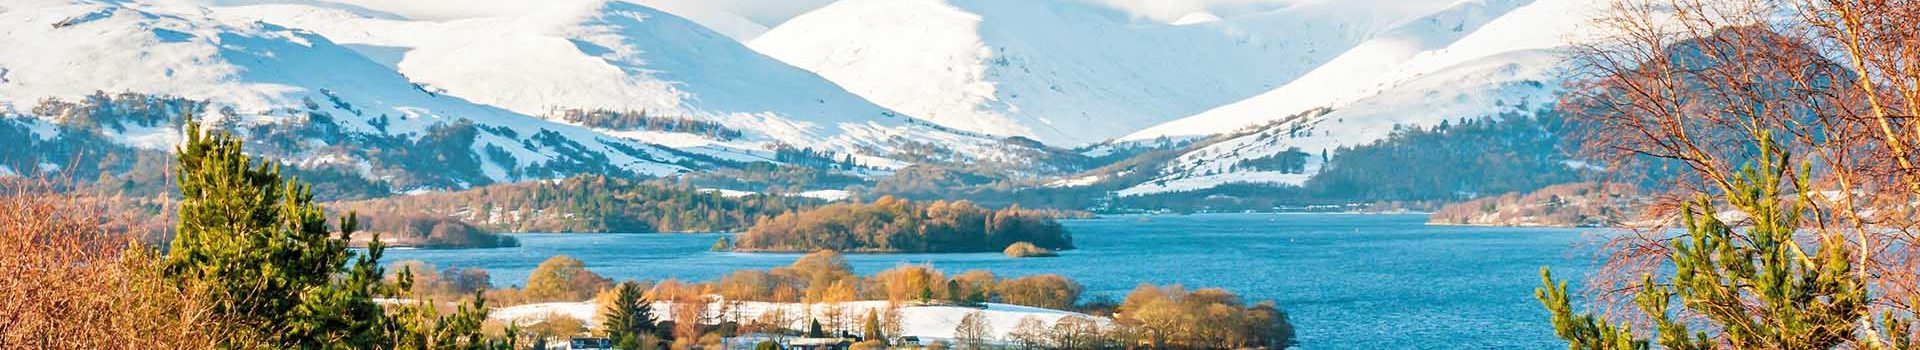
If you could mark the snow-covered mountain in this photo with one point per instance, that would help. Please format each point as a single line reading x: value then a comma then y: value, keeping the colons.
x: 1066, y: 72
x: 890, y: 82
x: 268, y: 79
x: 623, y: 56
x: 373, y: 75
x: 1478, y: 58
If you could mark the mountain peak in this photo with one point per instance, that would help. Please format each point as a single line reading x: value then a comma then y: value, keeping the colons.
x: 1063, y: 72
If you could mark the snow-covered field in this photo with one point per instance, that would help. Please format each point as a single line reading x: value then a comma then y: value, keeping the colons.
x: 933, y: 322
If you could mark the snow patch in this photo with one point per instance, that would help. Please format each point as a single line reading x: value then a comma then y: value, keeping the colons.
x: 829, y: 195
x: 728, y: 193
x: 935, y: 322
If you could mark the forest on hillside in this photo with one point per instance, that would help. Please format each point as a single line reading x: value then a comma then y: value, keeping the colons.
x: 1413, y: 168
x: 1451, y: 161
x: 589, y: 204
x: 892, y: 224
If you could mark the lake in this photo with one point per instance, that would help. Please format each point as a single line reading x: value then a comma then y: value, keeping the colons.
x: 1348, y: 281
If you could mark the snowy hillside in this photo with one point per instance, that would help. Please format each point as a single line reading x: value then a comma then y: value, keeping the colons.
x: 277, y: 83
x: 1061, y: 71
x: 622, y: 56
x: 740, y: 19
x: 1480, y: 58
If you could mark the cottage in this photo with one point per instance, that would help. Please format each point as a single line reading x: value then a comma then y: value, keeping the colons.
x: 583, y: 344
x: 907, y: 341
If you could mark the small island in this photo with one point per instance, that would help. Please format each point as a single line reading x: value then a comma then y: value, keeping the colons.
x: 1028, y: 250
x: 431, y: 232
x: 895, y: 225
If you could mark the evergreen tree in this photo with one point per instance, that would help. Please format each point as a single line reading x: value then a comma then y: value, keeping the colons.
x: 814, y: 331
x: 261, y: 247
x: 1760, y: 289
x: 419, y: 326
x: 872, y: 328
x: 954, y: 293
x: 630, y: 317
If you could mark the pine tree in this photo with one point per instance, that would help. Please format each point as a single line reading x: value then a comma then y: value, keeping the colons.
x: 261, y: 247
x: 872, y: 328
x: 1760, y: 289
x: 630, y: 317
x: 419, y: 325
x: 814, y: 331
x: 954, y: 292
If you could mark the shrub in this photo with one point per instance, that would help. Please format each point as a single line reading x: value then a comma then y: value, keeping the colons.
x: 1046, y: 291
x: 69, y: 281
x: 1028, y: 250
x: 869, y: 345
x: 1207, y: 318
x: 562, y: 277
x: 766, y: 345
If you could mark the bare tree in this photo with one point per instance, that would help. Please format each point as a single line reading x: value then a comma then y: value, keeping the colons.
x: 973, y: 332
x: 1683, y: 94
x: 1030, y: 333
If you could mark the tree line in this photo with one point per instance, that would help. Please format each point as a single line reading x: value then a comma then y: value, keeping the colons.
x: 891, y: 224
x: 643, y: 120
x: 589, y: 204
x: 1151, y: 317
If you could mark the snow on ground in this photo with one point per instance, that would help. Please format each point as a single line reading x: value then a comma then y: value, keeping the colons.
x: 1194, y: 183
x: 728, y: 193
x: 265, y: 72
x: 1478, y: 58
x: 933, y: 322
x: 1075, y: 182
x: 829, y: 195
x: 1357, y: 72
x: 622, y: 56
x: 1097, y: 73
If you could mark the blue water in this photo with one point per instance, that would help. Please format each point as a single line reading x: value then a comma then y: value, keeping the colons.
x: 1347, y: 281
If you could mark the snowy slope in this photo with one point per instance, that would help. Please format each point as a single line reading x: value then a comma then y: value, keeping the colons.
x: 1501, y: 60
x: 740, y: 19
x: 260, y: 74
x: 1065, y: 72
x: 623, y: 56
x: 1361, y: 71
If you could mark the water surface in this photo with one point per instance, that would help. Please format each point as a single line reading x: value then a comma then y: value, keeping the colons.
x: 1347, y: 281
